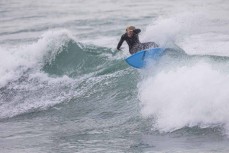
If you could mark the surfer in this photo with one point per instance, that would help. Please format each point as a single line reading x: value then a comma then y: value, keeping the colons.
x: 131, y: 37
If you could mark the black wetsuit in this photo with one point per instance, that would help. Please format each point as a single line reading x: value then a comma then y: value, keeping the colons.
x: 133, y: 42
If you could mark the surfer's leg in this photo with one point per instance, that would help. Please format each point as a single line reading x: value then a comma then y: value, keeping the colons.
x: 148, y: 45
x: 136, y: 48
x: 142, y: 46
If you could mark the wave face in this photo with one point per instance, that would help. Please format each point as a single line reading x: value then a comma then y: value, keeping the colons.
x: 54, y: 70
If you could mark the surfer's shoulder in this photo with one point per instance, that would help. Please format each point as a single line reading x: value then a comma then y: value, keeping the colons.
x: 124, y: 36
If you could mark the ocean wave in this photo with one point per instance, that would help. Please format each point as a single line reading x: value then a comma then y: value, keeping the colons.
x: 51, y: 71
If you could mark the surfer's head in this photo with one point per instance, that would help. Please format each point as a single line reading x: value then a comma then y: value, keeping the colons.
x: 130, y: 31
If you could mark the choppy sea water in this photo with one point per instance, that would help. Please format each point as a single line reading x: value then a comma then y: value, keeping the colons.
x: 65, y: 88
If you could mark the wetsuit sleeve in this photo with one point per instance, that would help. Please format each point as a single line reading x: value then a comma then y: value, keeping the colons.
x: 137, y: 31
x: 120, y: 42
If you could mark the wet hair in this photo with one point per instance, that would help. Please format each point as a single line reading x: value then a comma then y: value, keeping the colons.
x: 130, y: 28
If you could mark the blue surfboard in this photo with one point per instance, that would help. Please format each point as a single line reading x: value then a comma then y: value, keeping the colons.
x: 138, y: 60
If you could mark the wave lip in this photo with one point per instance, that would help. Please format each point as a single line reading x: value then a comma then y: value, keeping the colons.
x: 18, y: 59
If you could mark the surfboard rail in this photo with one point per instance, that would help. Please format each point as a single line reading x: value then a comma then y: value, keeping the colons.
x: 138, y: 60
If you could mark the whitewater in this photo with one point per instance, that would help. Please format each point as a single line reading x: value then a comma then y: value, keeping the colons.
x: 65, y: 88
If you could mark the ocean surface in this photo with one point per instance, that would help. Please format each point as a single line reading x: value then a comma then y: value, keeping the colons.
x: 64, y: 88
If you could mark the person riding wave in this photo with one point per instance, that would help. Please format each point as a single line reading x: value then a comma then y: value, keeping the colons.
x: 131, y: 37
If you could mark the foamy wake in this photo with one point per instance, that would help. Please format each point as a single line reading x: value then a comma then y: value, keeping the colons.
x: 189, y: 96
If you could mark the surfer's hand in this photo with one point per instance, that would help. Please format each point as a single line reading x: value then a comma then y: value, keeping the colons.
x: 119, y: 49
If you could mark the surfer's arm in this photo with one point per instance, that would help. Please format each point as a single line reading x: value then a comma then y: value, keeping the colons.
x: 137, y: 31
x: 120, y: 42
